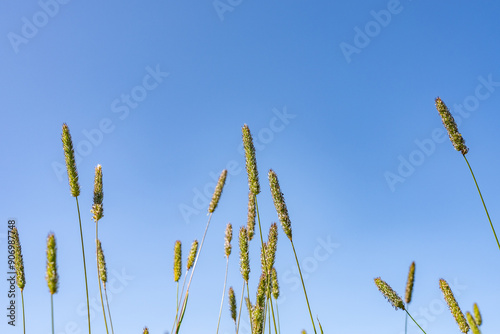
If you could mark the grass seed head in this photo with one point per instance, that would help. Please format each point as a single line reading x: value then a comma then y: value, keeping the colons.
x: 409, y: 283
x: 69, y: 157
x: 472, y: 323
x: 177, y: 261
x: 389, y: 294
x: 101, y: 261
x: 227, y: 239
x: 244, y: 256
x: 192, y: 254
x: 453, y: 306
x: 251, y: 215
x: 449, y: 123
x: 275, y: 286
x: 272, y: 243
x: 258, y: 310
x: 146, y: 331
x: 232, y: 304
x: 217, y: 191
x: 279, y: 204
x: 18, y: 259
x: 97, y: 209
x: 251, y: 162
x: 477, y: 315
x: 51, y: 275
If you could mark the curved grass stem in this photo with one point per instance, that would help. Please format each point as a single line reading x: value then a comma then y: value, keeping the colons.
x: 84, y: 265
x: 415, y: 321
x: 241, y: 305
x: 482, y: 200
x: 223, y: 292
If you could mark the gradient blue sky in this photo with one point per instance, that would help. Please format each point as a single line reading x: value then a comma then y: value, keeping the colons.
x: 340, y: 98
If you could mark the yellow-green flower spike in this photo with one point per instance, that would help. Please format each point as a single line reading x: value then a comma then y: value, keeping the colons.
x: 101, y: 261
x: 69, y: 157
x: 472, y: 323
x: 477, y: 315
x: 258, y: 310
x: 244, y: 256
x: 97, y: 208
x: 389, y: 294
x: 18, y: 259
x: 192, y: 254
x: 146, y: 331
x: 279, y: 204
x: 251, y: 162
x: 409, y: 283
x: 217, y: 191
x: 272, y: 243
x: 227, y: 239
x: 232, y: 304
x: 450, y: 125
x: 275, y: 286
x: 51, y: 276
x: 453, y: 306
x: 251, y: 215
x: 177, y: 261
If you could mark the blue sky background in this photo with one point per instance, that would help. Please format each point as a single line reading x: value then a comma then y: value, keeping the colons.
x: 340, y: 99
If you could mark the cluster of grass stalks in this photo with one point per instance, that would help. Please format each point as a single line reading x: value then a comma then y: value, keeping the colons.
x: 261, y: 308
x: 470, y: 322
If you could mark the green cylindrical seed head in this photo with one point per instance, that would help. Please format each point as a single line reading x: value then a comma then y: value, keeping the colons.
x: 263, y: 252
x: 192, y: 254
x: 279, y: 204
x: 244, y: 256
x: 275, y: 285
x: 477, y: 315
x: 272, y: 243
x: 18, y: 259
x: 97, y: 208
x: 101, y: 261
x: 450, y: 125
x: 472, y: 323
x: 232, y: 304
x: 217, y: 191
x: 177, y: 261
x: 409, y: 283
x: 51, y: 275
x: 69, y: 157
x: 389, y: 294
x: 251, y: 162
x: 227, y: 239
x: 251, y: 216
x: 453, y: 305
x: 258, y: 310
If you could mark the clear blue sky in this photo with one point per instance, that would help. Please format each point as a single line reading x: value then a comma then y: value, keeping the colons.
x: 340, y: 98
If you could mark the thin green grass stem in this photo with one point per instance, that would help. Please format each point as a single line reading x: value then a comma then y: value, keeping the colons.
x: 482, y: 200
x: 250, y: 311
x: 268, y: 274
x: 415, y: 321
x: 241, y: 304
x: 84, y: 265
x: 223, y: 293
x: 99, y: 276
x: 406, y: 324
x: 109, y: 312
x: 52, y: 310
x: 278, y: 316
x: 24, y: 320
x: 184, y: 303
x: 304, y: 287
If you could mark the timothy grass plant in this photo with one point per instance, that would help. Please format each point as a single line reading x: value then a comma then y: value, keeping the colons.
x: 51, y: 275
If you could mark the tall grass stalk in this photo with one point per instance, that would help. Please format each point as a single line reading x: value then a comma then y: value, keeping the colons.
x: 51, y: 275
x: 459, y: 144
x: 69, y: 157
x: 213, y: 205
x: 100, y: 272
x: 409, y: 290
x: 227, y: 251
x: 281, y: 209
